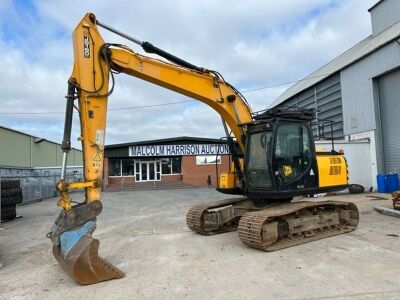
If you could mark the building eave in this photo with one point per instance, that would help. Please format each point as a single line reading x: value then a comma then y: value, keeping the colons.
x: 33, y: 136
x: 166, y: 140
x: 375, y: 5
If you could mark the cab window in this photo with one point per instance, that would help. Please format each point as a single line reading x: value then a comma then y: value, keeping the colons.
x: 258, y: 171
x: 292, y: 152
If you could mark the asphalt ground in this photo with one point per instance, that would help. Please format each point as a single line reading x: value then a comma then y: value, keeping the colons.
x: 144, y: 234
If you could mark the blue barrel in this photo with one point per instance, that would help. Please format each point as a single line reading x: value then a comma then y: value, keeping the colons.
x: 387, y: 183
x: 392, y: 182
x: 380, y: 179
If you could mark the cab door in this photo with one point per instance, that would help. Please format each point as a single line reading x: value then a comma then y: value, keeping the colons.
x: 294, y: 161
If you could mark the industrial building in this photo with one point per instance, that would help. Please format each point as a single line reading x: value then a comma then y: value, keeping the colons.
x: 360, y: 91
x: 35, y: 162
x: 189, y: 160
x: 21, y: 150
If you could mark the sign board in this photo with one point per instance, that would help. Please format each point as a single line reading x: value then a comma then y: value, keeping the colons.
x: 208, y: 160
x: 178, y: 150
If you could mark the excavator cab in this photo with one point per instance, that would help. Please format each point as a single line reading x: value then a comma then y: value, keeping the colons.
x: 280, y: 155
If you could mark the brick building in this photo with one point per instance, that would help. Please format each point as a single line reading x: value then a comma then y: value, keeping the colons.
x: 187, y: 160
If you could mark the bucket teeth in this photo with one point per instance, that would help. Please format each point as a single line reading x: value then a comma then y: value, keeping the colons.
x: 81, y: 260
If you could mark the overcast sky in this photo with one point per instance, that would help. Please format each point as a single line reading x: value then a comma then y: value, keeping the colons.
x: 253, y: 44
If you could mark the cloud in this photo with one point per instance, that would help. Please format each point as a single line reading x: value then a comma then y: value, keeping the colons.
x: 252, y: 43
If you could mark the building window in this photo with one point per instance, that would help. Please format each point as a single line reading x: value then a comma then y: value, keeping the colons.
x: 166, y: 166
x: 171, y: 166
x: 128, y: 167
x: 114, y: 167
x: 176, y: 165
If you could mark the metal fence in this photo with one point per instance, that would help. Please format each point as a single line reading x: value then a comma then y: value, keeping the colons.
x: 38, y: 184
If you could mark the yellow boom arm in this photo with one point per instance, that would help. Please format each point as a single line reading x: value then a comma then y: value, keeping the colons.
x: 93, y: 63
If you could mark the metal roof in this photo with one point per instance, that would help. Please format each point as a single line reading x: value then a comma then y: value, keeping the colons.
x: 375, y: 5
x: 33, y: 136
x: 362, y: 49
x: 21, y: 132
x: 172, y: 140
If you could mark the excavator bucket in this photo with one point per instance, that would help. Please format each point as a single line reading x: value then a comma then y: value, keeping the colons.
x: 78, y: 256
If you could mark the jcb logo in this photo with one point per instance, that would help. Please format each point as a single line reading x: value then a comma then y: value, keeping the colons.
x: 86, y: 46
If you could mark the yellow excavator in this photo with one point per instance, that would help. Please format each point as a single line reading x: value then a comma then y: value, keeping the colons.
x: 273, y: 159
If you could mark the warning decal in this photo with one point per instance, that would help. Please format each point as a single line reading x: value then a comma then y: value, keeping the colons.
x: 97, y: 161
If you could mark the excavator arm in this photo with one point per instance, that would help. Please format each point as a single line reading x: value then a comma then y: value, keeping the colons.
x: 95, y: 63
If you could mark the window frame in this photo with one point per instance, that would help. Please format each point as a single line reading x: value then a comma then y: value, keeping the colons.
x: 170, y: 165
x: 143, y: 160
x: 300, y: 125
x: 120, y: 167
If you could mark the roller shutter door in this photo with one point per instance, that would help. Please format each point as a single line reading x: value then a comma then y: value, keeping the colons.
x: 389, y: 102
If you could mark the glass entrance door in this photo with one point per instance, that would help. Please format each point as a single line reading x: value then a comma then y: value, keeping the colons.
x: 151, y: 173
x: 143, y: 171
x: 148, y: 170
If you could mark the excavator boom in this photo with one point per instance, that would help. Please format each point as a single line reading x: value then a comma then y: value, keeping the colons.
x: 94, y: 63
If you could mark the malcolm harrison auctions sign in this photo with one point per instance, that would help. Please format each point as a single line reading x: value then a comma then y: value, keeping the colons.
x: 177, y: 150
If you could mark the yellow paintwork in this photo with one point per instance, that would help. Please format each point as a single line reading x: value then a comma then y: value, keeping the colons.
x: 92, y: 107
x: 332, y: 170
x: 90, y: 72
x: 227, y: 180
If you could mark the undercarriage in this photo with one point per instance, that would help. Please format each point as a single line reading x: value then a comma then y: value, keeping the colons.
x: 276, y: 225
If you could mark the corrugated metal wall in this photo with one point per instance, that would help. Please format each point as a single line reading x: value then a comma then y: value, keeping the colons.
x: 358, y: 88
x: 389, y: 103
x: 384, y: 15
x: 326, y: 97
x: 20, y: 150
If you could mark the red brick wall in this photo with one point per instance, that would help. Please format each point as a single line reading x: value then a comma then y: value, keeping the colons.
x: 130, y: 179
x: 118, y: 180
x: 171, y: 177
x: 197, y: 175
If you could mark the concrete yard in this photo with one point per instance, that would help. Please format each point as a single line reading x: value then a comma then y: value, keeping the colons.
x: 144, y: 234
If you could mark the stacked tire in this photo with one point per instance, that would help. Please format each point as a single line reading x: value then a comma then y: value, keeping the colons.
x: 11, y: 195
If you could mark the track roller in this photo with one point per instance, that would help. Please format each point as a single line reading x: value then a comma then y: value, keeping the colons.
x: 296, y: 223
